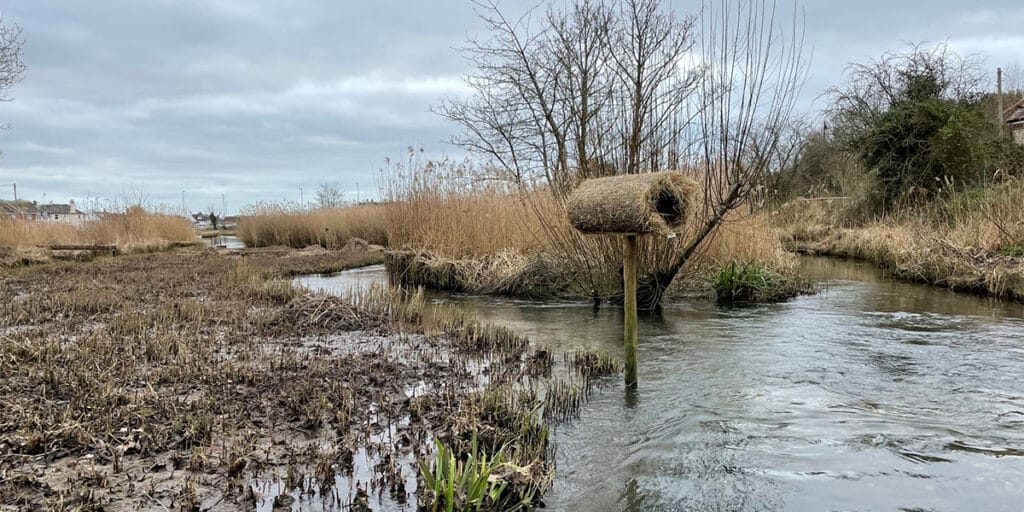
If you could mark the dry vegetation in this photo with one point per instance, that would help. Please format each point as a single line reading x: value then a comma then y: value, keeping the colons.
x: 969, y: 241
x: 451, y: 230
x: 132, y: 229
x: 522, y: 243
x: 268, y: 224
x: 136, y: 230
x: 197, y: 380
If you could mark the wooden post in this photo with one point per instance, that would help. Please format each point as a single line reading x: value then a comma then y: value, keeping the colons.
x: 999, y: 94
x: 629, y: 283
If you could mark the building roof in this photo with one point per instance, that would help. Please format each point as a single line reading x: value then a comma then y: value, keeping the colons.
x: 18, y: 207
x: 1015, y: 114
x: 59, y: 209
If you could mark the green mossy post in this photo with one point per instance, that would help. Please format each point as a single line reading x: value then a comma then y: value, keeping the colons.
x: 629, y: 285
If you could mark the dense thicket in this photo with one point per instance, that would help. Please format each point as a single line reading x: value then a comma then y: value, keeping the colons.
x: 906, y: 127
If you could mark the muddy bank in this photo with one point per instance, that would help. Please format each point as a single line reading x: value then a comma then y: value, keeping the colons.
x: 508, y: 274
x: 196, y: 380
x: 540, y: 277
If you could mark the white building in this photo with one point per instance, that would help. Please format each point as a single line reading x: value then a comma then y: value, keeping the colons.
x: 64, y: 213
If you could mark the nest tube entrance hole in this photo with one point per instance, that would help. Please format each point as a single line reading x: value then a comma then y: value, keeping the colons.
x: 669, y: 207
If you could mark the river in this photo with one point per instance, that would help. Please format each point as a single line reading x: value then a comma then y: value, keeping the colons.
x: 870, y: 395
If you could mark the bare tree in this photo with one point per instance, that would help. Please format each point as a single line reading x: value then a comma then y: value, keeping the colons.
x: 588, y: 90
x: 11, y: 68
x: 753, y: 70
x: 596, y: 90
x: 329, y: 195
x: 649, y: 46
x: 1013, y: 79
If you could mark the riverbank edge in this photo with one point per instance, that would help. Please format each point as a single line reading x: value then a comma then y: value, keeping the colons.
x: 538, y: 277
x: 930, y: 261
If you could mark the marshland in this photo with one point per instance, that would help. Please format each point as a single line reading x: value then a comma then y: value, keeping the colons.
x: 831, y: 294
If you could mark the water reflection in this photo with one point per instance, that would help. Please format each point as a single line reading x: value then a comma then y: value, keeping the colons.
x: 224, y: 242
x: 873, y: 394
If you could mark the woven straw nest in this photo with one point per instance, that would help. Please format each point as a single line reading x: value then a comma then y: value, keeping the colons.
x: 657, y: 203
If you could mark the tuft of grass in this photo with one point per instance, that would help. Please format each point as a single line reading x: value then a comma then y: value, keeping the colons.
x: 753, y: 281
x: 469, y: 482
x: 1013, y: 251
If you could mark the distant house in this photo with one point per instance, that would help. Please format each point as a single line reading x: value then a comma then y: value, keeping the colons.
x: 63, y: 213
x: 1014, y: 117
x: 200, y: 221
x: 19, y: 210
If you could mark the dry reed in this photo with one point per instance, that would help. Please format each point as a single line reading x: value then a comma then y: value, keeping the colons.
x: 265, y: 225
x: 456, y: 212
x: 476, y: 232
x: 132, y: 230
x: 967, y: 240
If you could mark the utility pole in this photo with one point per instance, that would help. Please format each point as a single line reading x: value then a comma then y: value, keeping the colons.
x: 357, y: 192
x: 15, y: 185
x: 301, y: 200
x: 223, y: 206
x: 999, y: 93
x: 183, y: 209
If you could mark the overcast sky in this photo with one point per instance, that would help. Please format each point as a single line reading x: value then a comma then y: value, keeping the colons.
x: 255, y: 99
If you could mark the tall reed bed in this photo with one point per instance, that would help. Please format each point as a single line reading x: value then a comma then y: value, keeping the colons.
x: 991, y: 218
x: 459, y: 211
x: 483, y: 233
x: 266, y: 224
x: 133, y: 229
x: 987, y: 220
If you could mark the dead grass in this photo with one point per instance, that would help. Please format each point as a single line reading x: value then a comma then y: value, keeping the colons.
x: 196, y: 379
x: 966, y: 241
x: 265, y: 225
x: 136, y: 229
x: 285, y: 262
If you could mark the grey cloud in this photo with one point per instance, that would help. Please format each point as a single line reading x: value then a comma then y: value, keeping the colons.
x: 254, y: 99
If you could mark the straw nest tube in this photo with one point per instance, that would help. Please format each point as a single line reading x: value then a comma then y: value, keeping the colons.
x: 658, y: 202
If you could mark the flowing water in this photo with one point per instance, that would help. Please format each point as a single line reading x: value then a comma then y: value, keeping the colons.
x: 871, y: 395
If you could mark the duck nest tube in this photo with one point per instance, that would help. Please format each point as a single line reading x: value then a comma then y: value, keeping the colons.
x: 658, y: 203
